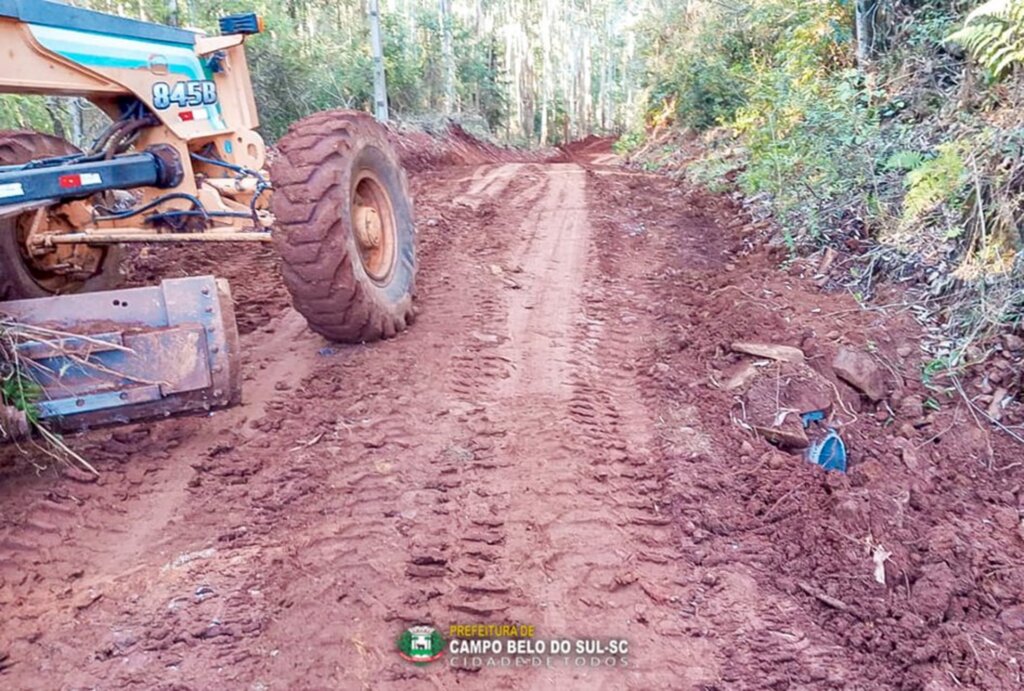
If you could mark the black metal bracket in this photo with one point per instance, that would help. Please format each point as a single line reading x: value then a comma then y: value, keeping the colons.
x: 160, y: 167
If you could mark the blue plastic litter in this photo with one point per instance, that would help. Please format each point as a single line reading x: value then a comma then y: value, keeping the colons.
x: 816, y: 416
x: 326, y: 352
x: 829, y: 453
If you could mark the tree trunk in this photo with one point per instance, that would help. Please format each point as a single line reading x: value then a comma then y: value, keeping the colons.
x: 545, y: 73
x: 866, y: 14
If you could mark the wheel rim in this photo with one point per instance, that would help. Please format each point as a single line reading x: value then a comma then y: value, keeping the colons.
x: 373, y: 219
x: 42, y: 269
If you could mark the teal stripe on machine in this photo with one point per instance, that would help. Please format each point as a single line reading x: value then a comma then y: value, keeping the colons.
x: 100, y: 50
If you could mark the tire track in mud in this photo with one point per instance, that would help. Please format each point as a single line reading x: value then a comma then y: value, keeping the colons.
x: 591, y: 551
x: 513, y: 502
x: 124, y: 539
x: 495, y: 463
x: 393, y: 568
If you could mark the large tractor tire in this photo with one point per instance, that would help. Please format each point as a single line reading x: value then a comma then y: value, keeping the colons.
x: 23, y: 276
x: 345, y: 229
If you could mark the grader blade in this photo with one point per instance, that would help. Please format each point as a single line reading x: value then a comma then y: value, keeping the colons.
x: 123, y: 355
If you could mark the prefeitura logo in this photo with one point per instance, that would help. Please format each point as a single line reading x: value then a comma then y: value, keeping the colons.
x: 421, y: 645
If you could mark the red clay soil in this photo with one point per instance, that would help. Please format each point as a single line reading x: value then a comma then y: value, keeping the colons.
x: 421, y: 151
x: 552, y: 443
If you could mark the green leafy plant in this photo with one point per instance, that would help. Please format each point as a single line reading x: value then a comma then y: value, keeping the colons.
x: 22, y: 393
x: 905, y: 161
x: 994, y: 35
x: 629, y: 142
x: 934, y: 182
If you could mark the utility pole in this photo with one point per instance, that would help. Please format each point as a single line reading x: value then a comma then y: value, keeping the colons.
x: 445, y: 17
x: 380, y: 86
x: 173, y: 13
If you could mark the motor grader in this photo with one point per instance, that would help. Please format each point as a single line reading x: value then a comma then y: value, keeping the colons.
x: 180, y: 162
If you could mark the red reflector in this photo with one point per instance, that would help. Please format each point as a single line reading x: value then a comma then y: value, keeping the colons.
x: 69, y: 181
x: 187, y: 115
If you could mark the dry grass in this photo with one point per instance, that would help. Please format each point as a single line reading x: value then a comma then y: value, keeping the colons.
x: 20, y: 421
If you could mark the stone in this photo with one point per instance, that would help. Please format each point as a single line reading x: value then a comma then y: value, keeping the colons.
x: 770, y: 351
x: 859, y: 370
x: 933, y: 591
x: 1013, y: 343
x: 487, y: 338
x: 909, y: 455
x: 789, y: 434
x: 912, y: 408
x: 905, y: 351
x: 995, y: 408
x: 1013, y: 617
x: 1007, y: 517
x: 739, y: 376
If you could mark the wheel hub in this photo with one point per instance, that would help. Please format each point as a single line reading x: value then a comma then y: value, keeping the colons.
x: 54, y: 267
x: 374, y: 226
x: 368, y: 227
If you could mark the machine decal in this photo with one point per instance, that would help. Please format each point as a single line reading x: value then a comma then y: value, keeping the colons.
x: 101, y: 51
x: 75, y: 181
x: 12, y: 189
x: 189, y: 115
x: 184, y: 94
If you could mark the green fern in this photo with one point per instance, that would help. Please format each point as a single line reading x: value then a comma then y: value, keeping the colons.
x: 904, y: 160
x: 994, y: 35
x: 934, y: 182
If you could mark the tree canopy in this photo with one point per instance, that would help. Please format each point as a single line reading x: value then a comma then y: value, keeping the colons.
x: 531, y: 71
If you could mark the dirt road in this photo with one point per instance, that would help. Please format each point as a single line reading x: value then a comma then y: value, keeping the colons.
x: 542, y: 447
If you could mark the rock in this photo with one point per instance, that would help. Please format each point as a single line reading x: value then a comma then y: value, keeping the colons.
x: 909, y: 455
x: 1013, y: 617
x: 740, y: 375
x: 1013, y: 343
x: 135, y: 475
x: 85, y: 599
x: 770, y: 351
x: 905, y: 351
x: 859, y: 370
x: 1007, y: 517
x: 853, y: 512
x: 933, y: 591
x: 789, y: 434
x: 911, y: 408
x: 995, y: 408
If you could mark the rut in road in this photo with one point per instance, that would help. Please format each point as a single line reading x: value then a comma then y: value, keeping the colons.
x: 520, y: 485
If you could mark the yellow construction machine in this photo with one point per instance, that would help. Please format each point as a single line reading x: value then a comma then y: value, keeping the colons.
x: 180, y: 162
